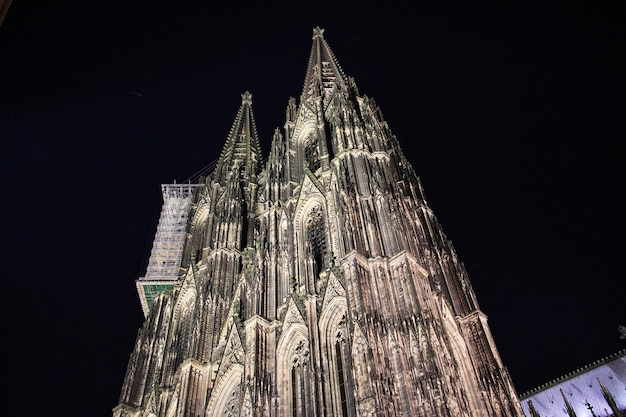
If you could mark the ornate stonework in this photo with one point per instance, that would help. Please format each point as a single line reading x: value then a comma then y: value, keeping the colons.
x: 318, y: 284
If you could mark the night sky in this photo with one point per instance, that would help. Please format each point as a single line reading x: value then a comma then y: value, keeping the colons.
x: 512, y: 113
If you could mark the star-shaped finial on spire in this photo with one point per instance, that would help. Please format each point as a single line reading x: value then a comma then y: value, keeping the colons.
x: 318, y: 32
x: 246, y: 98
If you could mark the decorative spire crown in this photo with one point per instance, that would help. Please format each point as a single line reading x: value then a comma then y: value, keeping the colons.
x: 246, y: 98
x: 324, y: 75
x: 242, y: 148
x: 318, y: 32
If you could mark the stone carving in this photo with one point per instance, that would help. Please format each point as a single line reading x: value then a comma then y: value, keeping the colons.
x: 320, y: 276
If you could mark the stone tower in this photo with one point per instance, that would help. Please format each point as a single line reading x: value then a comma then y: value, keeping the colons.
x: 317, y: 284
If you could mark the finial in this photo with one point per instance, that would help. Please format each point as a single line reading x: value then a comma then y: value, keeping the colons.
x: 318, y: 32
x: 246, y: 98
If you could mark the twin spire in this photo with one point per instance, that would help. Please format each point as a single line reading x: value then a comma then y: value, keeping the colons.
x: 242, y: 150
x: 324, y: 75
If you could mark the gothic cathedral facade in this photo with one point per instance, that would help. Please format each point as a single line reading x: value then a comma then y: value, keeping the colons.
x: 317, y: 283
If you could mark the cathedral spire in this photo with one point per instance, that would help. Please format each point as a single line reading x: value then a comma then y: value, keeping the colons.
x: 241, y: 150
x: 311, y: 287
x: 324, y: 74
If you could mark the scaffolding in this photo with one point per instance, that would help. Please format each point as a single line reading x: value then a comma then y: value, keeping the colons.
x: 169, y: 241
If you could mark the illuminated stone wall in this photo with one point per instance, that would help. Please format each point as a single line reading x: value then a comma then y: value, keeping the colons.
x: 317, y: 284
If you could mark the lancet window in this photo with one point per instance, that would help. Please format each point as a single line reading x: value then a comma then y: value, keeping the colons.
x: 316, y: 239
x: 300, y: 382
x: 341, y: 378
x: 312, y: 153
x: 342, y: 381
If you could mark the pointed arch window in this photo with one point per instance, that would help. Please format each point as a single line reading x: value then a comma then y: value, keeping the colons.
x: 294, y: 391
x: 227, y: 400
x: 341, y: 379
x: 312, y: 153
x: 300, y: 382
x: 344, y: 398
x: 316, y: 239
x: 231, y: 408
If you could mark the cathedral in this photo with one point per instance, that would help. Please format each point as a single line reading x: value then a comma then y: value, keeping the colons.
x: 315, y: 281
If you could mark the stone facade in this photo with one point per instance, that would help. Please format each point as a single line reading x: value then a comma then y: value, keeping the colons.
x: 316, y: 284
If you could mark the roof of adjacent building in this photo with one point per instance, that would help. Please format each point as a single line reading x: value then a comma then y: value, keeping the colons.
x: 590, y: 387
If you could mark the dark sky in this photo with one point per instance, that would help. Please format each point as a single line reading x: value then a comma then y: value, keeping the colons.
x: 512, y: 114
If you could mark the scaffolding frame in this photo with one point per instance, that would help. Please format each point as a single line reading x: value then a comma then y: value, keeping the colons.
x: 169, y: 242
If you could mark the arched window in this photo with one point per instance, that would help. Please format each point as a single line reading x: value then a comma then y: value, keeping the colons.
x: 341, y: 376
x: 300, y: 382
x: 294, y: 391
x: 312, y: 153
x: 343, y: 385
x: 226, y: 397
x: 316, y: 238
x: 231, y: 408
